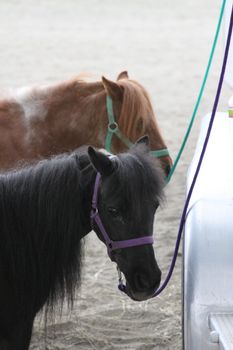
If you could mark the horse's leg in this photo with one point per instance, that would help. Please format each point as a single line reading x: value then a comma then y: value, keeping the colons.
x: 19, y: 338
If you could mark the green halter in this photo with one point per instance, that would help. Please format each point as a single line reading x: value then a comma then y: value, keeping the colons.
x: 114, y: 129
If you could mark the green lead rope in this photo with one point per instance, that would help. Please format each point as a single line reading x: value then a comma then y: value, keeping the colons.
x: 200, y: 94
x: 113, y: 126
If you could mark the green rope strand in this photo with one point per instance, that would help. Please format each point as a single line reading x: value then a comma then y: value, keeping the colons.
x: 200, y: 93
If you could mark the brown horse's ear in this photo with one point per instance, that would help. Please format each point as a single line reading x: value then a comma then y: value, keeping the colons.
x: 101, y: 162
x: 123, y: 75
x: 113, y: 89
x: 144, y: 140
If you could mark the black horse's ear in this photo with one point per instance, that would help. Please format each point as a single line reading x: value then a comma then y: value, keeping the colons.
x: 144, y: 140
x: 101, y: 162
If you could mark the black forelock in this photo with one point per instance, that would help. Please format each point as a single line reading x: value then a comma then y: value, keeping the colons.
x: 138, y: 176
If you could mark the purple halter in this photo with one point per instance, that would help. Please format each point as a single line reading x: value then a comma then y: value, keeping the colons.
x: 112, y: 245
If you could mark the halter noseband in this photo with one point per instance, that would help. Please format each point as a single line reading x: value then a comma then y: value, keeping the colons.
x: 112, y: 245
x: 113, y: 128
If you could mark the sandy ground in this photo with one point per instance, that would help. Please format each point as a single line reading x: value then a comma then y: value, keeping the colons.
x: 164, y: 45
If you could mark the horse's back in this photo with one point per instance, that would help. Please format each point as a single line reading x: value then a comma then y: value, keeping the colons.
x: 13, y: 130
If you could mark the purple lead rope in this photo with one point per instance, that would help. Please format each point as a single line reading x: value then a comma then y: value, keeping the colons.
x: 190, y: 192
x: 215, y: 105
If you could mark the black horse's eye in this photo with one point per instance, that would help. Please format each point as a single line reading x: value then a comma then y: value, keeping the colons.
x: 113, y: 211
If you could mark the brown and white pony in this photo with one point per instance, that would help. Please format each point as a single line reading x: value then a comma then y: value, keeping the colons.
x: 38, y: 122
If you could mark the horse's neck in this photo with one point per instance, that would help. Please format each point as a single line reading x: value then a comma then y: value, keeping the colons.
x: 77, y: 105
x: 63, y: 117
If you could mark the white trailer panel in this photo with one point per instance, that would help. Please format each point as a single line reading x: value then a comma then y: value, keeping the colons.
x: 208, y: 242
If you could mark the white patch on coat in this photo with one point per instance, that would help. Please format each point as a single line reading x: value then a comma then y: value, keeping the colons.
x: 32, y: 102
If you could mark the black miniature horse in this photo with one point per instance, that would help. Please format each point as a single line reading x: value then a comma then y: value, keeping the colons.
x: 44, y: 214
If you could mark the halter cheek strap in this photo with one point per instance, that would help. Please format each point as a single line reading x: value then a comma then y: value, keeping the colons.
x: 112, y: 245
x: 113, y: 129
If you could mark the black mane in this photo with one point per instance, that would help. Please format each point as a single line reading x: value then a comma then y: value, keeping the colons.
x: 41, y: 228
x: 138, y: 176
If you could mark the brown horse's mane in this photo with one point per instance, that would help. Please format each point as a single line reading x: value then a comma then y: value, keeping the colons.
x: 135, y: 115
x: 136, y: 108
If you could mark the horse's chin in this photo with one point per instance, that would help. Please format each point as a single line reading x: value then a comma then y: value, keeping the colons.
x: 139, y: 296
